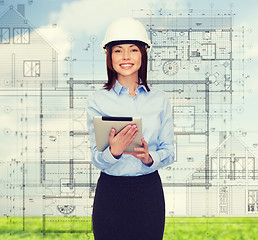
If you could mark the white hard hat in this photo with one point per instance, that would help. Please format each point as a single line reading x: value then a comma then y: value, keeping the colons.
x: 126, y: 30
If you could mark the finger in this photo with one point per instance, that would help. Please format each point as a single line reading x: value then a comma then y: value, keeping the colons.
x: 145, y: 144
x: 132, y: 130
x: 141, y: 155
x: 134, y: 134
x: 112, y: 134
x: 142, y: 149
x: 131, y: 134
x: 126, y: 129
x: 139, y: 149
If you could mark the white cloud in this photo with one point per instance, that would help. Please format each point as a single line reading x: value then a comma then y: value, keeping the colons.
x: 250, y: 53
x: 93, y: 16
x: 58, y: 37
x: 83, y: 18
x: 88, y: 17
x: 251, y: 50
x: 248, y: 24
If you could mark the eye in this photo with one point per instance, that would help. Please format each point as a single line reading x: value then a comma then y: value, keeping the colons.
x: 134, y: 50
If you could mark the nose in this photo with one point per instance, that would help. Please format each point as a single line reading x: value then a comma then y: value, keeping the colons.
x: 126, y: 55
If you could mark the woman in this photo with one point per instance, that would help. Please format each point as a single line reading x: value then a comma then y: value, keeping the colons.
x: 129, y: 200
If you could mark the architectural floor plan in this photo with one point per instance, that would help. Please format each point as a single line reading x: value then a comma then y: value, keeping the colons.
x: 45, y: 162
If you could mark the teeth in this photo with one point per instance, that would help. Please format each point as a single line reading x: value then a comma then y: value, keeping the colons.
x: 126, y: 65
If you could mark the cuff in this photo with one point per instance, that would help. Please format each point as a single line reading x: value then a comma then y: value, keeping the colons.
x: 155, y: 158
x: 109, y: 157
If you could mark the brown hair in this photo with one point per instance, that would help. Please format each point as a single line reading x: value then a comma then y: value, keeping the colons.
x: 112, y: 74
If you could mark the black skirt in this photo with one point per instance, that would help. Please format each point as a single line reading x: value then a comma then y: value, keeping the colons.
x: 129, y: 208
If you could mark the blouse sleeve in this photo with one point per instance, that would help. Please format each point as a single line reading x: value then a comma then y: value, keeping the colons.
x: 100, y: 159
x: 164, y: 155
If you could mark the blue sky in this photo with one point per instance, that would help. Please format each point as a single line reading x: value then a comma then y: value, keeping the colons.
x: 79, y: 20
x: 71, y: 24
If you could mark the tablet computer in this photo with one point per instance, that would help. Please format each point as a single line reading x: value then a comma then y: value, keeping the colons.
x: 104, y: 124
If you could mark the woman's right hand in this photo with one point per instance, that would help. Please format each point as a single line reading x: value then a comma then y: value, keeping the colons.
x: 119, y: 142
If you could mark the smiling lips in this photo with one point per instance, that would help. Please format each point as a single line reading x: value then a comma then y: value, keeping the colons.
x: 126, y: 65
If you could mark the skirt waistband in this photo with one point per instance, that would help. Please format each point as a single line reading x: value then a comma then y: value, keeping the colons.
x: 135, y: 180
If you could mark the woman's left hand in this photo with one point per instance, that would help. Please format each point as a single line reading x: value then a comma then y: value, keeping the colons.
x: 143, y: 154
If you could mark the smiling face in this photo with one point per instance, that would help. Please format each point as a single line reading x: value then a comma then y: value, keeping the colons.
x: 126, y: 60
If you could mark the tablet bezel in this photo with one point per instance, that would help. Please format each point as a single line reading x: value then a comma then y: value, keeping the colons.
x: 104, y: 124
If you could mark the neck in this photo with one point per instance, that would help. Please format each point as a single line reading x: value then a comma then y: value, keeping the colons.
x: 129, y: 82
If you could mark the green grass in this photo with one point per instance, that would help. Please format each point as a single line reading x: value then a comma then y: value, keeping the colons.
x: 211, y: 228
x: 177, y: 228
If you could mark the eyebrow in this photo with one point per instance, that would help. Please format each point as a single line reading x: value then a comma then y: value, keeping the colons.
x: 122, y: 47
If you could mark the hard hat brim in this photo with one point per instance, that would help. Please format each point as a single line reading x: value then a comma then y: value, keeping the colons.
x: 136, y: 42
